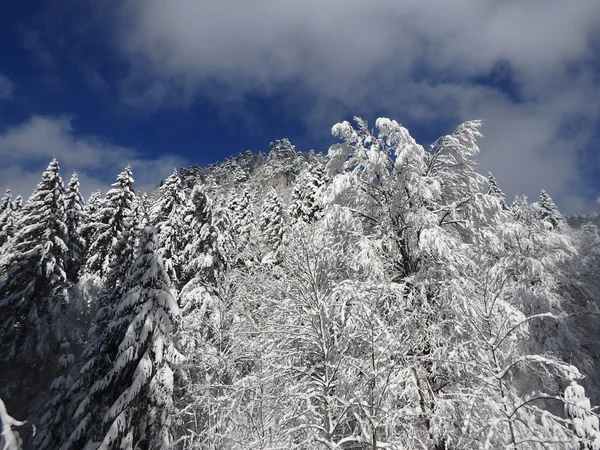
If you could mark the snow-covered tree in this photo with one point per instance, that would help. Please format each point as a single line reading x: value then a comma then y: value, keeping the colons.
x: 305, y: 205
x: 202, y: 261
x: 7, y: 219
x: 86, y: 396
x: 167, y: 215
x: 138, y: 388
x: 494, y: 189
x: 584, y: 421
x: 90, y: 210
x: 243, y: 222
x: 271, y: 224
x: 549, y: 212
x: 113, y: 217
x: 6, y: 202
x: 74, y: 210
x: 54, y: 424
x: 33, y: 294
x: 9, y: 438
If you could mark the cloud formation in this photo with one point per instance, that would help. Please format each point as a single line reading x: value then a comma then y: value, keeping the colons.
x: 526, y: 67
x: 27, y: 149
x: 7, y: 88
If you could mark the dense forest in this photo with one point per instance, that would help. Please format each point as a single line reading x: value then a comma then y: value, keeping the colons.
x: 382, y: 296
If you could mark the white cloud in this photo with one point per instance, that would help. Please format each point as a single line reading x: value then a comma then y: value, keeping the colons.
x: 27, y: 149
x: 410, y: 59
x: 7, y: 88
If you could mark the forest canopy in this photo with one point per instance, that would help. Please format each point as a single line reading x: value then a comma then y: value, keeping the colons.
x: 384, y: 295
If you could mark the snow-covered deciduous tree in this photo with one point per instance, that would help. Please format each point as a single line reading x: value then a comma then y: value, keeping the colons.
x: 584, y: 421
x: 114, y: 215
x: 138, y: 388
x: 74, y: 210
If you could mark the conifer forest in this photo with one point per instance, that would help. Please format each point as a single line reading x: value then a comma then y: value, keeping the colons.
x: 380, y: 295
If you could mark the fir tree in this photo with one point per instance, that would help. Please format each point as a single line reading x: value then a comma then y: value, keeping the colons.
x: 202, y: 259
x: 74, y: 211
x: 549, y: 211
x: 18, y: 205
x: 114, y: 216
x: 271, y: 222
x: 167, y: 216
x: 305, y: 205
x: 5, y: 202
x: 243, y: 222
x: 7, y: 219
x: 494, y: 190
x: 86, y: 398
x: 90, y: 210
x: 140, y: 384
x: 33, y: 297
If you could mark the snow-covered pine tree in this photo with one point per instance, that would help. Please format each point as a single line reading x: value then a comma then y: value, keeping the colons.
x: 87, y: 393
x: 139, y: 386
x: 54, y: 423
x: 6, y: 202
x: 243, y: 222
x: 145, y: 209
x: 18, y: 205
x: 494, y: 189
x: 114, y: 216
x: 33, y: 292
x: 549, y: 212
x: 202, y: 261
x: 74, y: 211
x: 7, y: 219
x: 271, y: 225
x: 167, y: 215
x: 226, y: 242
x: 304, y: 203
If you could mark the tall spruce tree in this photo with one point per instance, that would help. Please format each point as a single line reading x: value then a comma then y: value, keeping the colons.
x: 86, y: 397
x: 494, y: 190
x: 271, y: 224
x: 7, y: 218
x: 74, y: 211
x: 167, y: 215
x: 142, y: 377
x: 549, y: 212
x: 114, y: 216
x: 305, y: 205
x: 33, y: 293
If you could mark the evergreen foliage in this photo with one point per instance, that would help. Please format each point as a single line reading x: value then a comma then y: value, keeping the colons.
x: 114, y: 216
x: 74, y: 210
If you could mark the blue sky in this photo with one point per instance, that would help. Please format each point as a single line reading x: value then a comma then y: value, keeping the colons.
x: 163, y: 84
